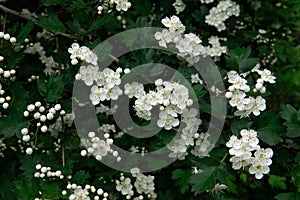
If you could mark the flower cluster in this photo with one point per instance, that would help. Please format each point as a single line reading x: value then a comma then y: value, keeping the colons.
x: 3, y: 147
x: 97, y: 147
x: 121, y: 5
x: 206, y: 1
x: 241, y: 151
x: 188, y: 134
x: 40, y: 115
x: 179, y: 6
x: 219, y: 14
x: 215, y: 50
x: 44, y: 172
x: 49, y: 62
x: 143, y: 184
x: 82, y: 53
x: 188, y: 45
x: 6, y: 75
x: 239, y: 87
x: 79, y: 192
x: 202, y: 145
x: 172, y: 98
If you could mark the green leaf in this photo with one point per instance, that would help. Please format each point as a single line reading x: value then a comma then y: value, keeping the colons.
x: 52, y: 22
x: 20, y: 96
x: 204, y: 180
x: 51, y: 190
x: 51, y: 89
x: 288, y: 196
x: 296, y: 175
x: 80, y: 177
x: 12, y: 123
x: 182, y: 177
x: 99, y: 22
x: 239, y: 59
x: 269, y: 127
x: 238, y: 124
x: 198, y: 89
x: 277, y: 182
x: 25, y: 31
x: 53, y: 2
x: 292, y: 117
x: 26, y: 188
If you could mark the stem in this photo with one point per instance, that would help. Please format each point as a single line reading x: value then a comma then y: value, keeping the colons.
x: 223, y: 159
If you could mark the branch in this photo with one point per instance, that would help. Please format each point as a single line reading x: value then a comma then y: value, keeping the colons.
x: 29, y: 18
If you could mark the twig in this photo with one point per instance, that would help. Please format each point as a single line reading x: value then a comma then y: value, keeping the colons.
x: 29, y: 18
x: 114, y: 58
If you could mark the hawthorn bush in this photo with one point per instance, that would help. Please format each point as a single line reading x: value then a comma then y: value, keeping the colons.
x: 214, y: 83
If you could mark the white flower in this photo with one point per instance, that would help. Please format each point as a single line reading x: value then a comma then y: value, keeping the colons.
x: 88, y: 74
x: 164, y: 37
x: 267, y: 76
x: 241, y: 161
x: 167, y: 121
x: 98, y: 94
x: 174, y: 24
x: 134, y: 89
x: 125, y: 186
x: 79, y: 194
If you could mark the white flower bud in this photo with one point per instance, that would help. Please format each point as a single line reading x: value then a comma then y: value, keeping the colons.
x: 6, y: 74
x: 58, y: 173
x: 24, y: 131
x: 5, y: 105
x: 43, y: 118
x: 12, y: 71
x: 38, y: 124
x: 26, y: 40
x: 62, y: 112
x: 57, y: 107
x: 26, y: 113
x: 228, y: 95
x: 78, y: 76
x: 6, y: 36
x: 110, y: 141
x: 91, y: 134
x: 74, y: 61
x: 42, y: 109
x: 99, y: 191
x: 118, y: 159
x: 44, y: 129
x: 105, y: 194
x: 8, y: 98
x: 38, y: 166
x: 126, y: 71
x: 64, y: 192
x: 1, y: 34
x: 36, y: 115
x: 52, y: 110
x: 30, y: 107
x: 29, y: 151
x: 50, y: 116
x: 83, y: 153
x: 26, y: 138
x: 2, y: 100
x: 1, y: 58
x: 13, y: 40
x: 37, y: 104
x: 115, y: 153
x: 44, y: 169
